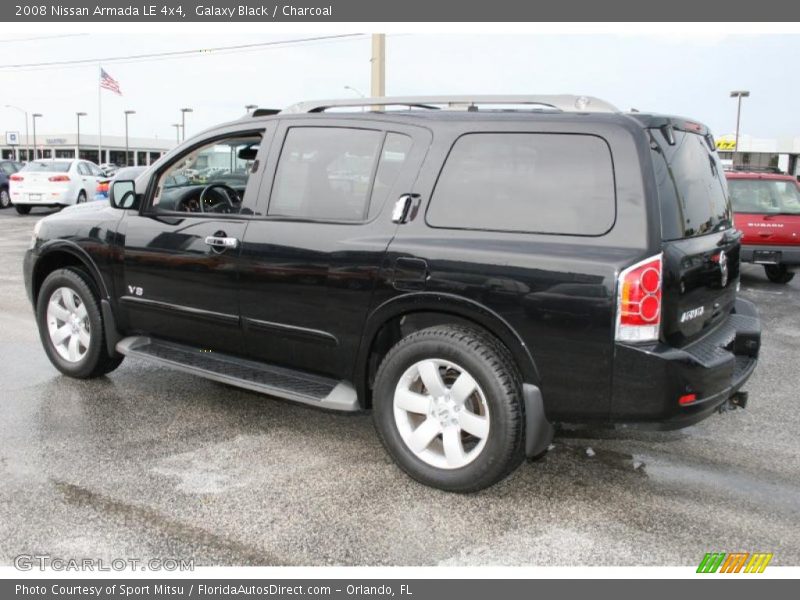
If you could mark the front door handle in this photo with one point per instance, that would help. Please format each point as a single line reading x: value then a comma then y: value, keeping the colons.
x: 222, y: 243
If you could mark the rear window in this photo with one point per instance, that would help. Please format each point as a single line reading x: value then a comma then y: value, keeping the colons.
x: 526, y: 182
x: 691, y: 186
x: 772, y: 196
x: 56, y: 166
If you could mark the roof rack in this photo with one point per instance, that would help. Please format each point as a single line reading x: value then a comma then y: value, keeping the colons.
x: 561, y: 102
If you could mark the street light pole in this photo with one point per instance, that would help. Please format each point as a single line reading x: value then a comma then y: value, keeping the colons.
x: 738, y: 94
x: 354, y: 90
x: 35, y: 149
x: 183, y: 120
x: 27, y: 138
x: 78, y: 144
x: 127, y: 113
x: 177, y: 127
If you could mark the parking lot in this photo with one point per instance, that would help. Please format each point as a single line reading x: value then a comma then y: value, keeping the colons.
x: 149, y: 462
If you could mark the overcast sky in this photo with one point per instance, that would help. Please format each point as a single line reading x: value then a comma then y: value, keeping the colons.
x: 686, y: 74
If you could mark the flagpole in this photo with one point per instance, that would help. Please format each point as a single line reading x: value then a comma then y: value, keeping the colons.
x: 99, y: 118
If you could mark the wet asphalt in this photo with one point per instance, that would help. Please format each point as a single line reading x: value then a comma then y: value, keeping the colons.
x: 151, y: 463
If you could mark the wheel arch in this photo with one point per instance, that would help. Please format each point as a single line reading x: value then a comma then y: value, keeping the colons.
x: 60, y: 254
x: 381, y: 331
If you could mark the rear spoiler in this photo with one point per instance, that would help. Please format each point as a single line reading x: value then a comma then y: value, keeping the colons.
x: 668, y: 124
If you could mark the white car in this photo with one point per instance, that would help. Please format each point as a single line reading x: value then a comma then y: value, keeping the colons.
x: 53, y: 182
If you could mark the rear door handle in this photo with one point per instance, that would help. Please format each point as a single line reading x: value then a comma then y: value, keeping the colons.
x: 222, y: 242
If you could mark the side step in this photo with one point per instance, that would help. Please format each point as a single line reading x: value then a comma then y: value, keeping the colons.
x: 267, y: 379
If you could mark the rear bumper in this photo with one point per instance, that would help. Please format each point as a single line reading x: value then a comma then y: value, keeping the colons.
x: 790, y: 255
x: 41, y: 199
x: 649, y: 380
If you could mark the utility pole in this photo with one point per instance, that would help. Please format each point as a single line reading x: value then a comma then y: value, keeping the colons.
x: 378, y: 60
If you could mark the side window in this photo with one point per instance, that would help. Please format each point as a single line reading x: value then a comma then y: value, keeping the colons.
x: 325, y: 173
x: 531, y: 182
x: 83, y: 169
x: 209, y: 179
x: 393, y: 156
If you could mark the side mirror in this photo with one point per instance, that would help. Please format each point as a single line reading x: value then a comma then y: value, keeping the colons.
x: 122, y: 194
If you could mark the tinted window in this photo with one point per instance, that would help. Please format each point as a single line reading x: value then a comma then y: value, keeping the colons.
x: 535, y: 182
x: 776, y: 196
x: 83, y: 169
x: 691, y: 186
x: 393, y: 157
x: 48, y: 166
x: 325, y: 173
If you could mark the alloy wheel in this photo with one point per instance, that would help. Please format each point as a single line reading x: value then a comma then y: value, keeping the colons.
x: 441, y: 413
x: 68, y: 324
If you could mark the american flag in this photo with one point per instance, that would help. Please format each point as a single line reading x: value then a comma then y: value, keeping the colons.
x: 109, y: 83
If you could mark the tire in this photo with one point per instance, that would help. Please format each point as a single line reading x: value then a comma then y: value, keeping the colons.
x: 5, y: 198
x: 778, y: 273
x: 77, y: 309
x: 491, y: 438
x: 81, y: 197
x: 22, y: 210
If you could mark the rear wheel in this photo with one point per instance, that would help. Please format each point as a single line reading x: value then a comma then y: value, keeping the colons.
x: 778, y: 273
x: 448, y: 408
x: 23, y: 210
x: 5, y: 198
x: 71, y: 325
x: 81, y: 197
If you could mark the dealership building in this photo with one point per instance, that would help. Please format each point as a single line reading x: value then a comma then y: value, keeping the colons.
x: 754, y: 153
x: 141, y: 151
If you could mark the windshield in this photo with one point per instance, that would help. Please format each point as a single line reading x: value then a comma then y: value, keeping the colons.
x: 774, y: 196
x: 55, y: 166
x: 691, y: 186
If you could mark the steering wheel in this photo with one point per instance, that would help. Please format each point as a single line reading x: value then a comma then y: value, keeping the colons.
x: 229, y: 197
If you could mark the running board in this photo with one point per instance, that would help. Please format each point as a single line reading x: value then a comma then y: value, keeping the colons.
x: 258, y: 377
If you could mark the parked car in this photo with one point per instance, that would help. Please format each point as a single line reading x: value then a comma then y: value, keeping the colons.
x: 483, y: 275
x: 101, y: 193
x: 767, y: 210
x: 109, y: 169
x: 53, y: 182
x: 7, y: 169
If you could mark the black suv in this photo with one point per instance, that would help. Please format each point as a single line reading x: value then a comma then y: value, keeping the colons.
x: 470, y: 271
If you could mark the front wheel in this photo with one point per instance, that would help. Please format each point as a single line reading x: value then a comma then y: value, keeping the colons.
x: 447, y: 407
x: 778, y: 273
x: 71, y: 325
x: 22, y: 210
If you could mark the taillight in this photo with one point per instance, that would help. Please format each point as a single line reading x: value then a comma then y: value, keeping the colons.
x: 16, y: 178
x: 639, y: 301
x: 58, y: 178
x: 102, y: 186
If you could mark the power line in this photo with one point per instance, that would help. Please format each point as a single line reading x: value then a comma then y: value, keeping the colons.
x: 158, y: 55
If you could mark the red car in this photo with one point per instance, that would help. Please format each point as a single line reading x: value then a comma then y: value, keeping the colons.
x: 767, y: 208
